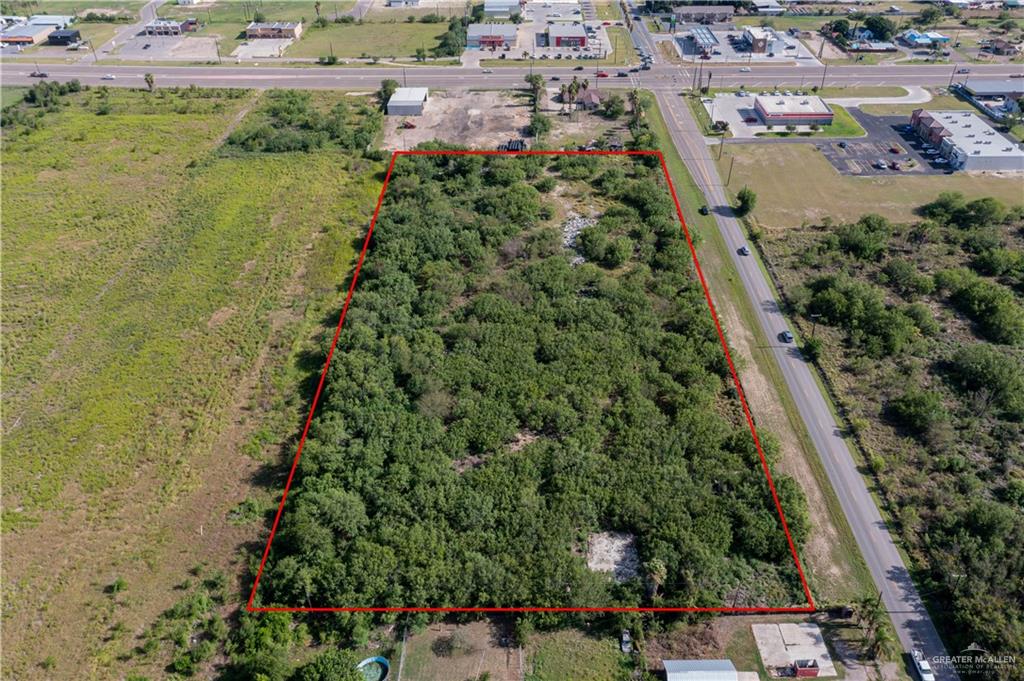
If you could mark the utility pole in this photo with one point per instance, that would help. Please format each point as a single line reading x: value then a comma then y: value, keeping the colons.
x: 951, y: 75
x: 823, y: 73
x: 405, y: 81
x: 732, y: 160
x: 721, y: 145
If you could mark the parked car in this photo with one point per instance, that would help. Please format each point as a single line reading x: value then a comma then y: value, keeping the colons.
x: 786, y: 336
x: 750, y: 119
x: 881, y: 164
x: 843, y: 145
x: 626, y: 642
x: 924, y: 670
x: 744, y: 250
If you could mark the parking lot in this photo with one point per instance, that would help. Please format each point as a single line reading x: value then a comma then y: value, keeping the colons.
x: 888, y: 142
x: 733, y: 49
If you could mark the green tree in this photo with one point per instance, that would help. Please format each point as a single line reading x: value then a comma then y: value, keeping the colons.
x: 535, y: 82
x: 539, y: 126
x: 746, y: 199
x: 387, y: 88
x: 613, y: 106
x: 150, y: 81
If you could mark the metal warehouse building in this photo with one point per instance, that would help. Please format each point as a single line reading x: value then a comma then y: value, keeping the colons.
x: 793, y: 110
x: 700, y: 670
x: 491, y: 35
x: 967, y: 141
x: 407, y: 101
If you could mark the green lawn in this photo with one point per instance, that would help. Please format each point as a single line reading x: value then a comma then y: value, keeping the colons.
x: 574, y: 655
x: 843, y: 125
x: 375, y: 40
x: 938, y: 103
x: 799, y: 184
x: 608, y: 11
x: 831, y: 92
x: 11, y: 95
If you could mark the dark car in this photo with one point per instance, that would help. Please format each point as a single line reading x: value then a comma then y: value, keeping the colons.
x: 555, y: 78
x: 622, y: 74
x: 704, y: 210
x: 786, y: 337
x: 578, y: 68
x: 744, y: 250
x: 38, y: 74
x: 843, y: 145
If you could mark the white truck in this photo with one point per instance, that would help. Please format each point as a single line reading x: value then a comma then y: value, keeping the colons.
x: 924, y: 670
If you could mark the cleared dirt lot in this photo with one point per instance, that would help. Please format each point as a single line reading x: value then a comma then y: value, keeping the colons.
x: 484, y: 120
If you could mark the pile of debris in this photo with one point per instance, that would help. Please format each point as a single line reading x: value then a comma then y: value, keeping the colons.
x: 571, y: 229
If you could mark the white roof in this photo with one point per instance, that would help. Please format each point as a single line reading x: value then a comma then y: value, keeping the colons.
x: 760, y: 32
x: 409, y: 95
x: 778, y: 105
x: 50, y: 19
x: 972, y: 135
x: 501, y: 4
x: 699, y: 670
x: 566, y: 31
x: 503, y: 30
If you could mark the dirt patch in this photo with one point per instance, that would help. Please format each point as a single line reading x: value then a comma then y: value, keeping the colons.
x: 523, y: 438
x: 476, y: 119
x: 613, y: 552
x: 220, y: 316
x: 450, y: 651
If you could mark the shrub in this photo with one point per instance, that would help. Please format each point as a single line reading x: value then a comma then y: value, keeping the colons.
x: 993, y: 376
x: 747, y: 200
x: 918, y: 410
x: 992, y: 307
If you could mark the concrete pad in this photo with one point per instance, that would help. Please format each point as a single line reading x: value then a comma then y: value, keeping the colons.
x: 770, y: 645
x: 781, y: 645
x: 262, y: 48
x: 748, y: 676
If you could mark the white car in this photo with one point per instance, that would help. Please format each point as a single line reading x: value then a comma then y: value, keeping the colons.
x: 109, y: 76
x: 924, y: 670
x: 487, y: 71
x: 745, y: 69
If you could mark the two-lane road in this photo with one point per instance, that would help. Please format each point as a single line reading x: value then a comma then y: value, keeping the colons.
x: 914, y: 626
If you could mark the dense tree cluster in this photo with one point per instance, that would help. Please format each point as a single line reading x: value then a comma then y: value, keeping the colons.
x: 924, y: 337
x: 288, y: 121
x: 491, y: 404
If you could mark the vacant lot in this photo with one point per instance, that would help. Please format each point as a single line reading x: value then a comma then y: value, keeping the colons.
x: 795, y: 183
x: 398, y: 39
x: 154, y: 335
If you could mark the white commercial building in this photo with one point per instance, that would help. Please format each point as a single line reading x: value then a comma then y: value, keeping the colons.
x: 764, y: 40
x: 492, y: 36
x: 768, y: 7
x: 967, y: 141
x: 793, y: 110
x: 407, y: 101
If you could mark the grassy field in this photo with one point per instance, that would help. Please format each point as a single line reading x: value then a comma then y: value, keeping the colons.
x: 799, y: 185
x: 72, y: 6
x: 154, y: 328
x: 574, y: 655
x: 375, y: 40
x: 830, y: 92
x: 608, y: 11
x: 938, y: 103
x: 11, y: 95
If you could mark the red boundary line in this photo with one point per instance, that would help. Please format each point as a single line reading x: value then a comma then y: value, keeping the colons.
x: 721, y: 337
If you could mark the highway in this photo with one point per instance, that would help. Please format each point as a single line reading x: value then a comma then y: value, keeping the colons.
x: 661, y: 76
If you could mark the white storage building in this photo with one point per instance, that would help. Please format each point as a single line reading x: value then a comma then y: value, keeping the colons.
x: 700, y: 670
x: 407, y: 101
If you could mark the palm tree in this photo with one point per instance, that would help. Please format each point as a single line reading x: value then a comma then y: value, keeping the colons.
x: 149, y: 81
x: 656, y: 574
x: 536, y: 83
